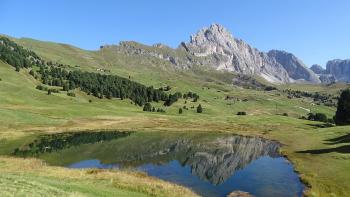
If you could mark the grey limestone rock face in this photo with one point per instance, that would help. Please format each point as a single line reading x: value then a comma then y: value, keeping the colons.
x: 234, y: 55
x: 296, y: 69
x: 340, y: 69
x: 215, y: 47
x: 327, y: 78
x: 318, y: 69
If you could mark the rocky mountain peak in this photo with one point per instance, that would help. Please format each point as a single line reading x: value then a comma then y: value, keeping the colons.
x: 325, y: 77
x: 223, y: 52
x: 296, y: 69
x: 215, y: 47
x: 317, y: 69
x: 215, y: 34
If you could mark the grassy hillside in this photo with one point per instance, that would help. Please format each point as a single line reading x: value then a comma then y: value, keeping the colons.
x: 26, y: 112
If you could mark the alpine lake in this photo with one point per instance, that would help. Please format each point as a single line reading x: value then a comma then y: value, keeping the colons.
x: 211, y: 164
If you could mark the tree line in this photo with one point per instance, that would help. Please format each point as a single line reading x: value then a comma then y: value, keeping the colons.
x: 106, y: 86
x: 55, y: 142
x: 96, y: 84
x: 342, y: 115
x: 326, y: 99
x: 16, y: 55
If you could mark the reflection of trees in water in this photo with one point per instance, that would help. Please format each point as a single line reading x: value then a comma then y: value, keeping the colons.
x: 55, y: 142
x: 211, y: 158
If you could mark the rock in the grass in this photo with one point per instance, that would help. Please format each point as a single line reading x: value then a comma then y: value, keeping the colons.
x: 239, y: 194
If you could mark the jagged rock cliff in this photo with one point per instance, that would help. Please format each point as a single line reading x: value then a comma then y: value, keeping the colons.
x: 223, y: 52
x: 215, y: 47
x: 340, y: 69
x: 296, y: 69
x: 322, y: 74
x: 177, y: 58
x: 318, y: 69
x: 337, y: 70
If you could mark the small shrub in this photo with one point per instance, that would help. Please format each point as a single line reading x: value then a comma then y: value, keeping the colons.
x: 180, y: 111
x: 270, y: 88
x: 167, y: 88
x: 284, y: 114
x: 331, y: 120
x: 31, y: 72
x: 40, y: 87
x: 72, y: 94
x: 160, y: 110
x: 321, y: 117
x: 147, y: 107
x: 93, y: 171
x: 241, y: 113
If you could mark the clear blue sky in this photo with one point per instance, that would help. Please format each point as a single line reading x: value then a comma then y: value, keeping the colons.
x: 314, y: 30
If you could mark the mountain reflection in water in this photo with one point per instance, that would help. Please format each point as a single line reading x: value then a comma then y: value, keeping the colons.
x: 217, y: 161
x: 210, y: 164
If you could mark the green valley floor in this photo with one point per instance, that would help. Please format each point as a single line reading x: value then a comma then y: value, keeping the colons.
x: 321, y: 159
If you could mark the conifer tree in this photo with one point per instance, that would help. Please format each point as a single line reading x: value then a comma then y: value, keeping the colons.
x: 199, y: 109
x: 342, y: 116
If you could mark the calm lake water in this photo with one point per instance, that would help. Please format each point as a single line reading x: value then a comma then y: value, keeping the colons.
x: 209, y: 164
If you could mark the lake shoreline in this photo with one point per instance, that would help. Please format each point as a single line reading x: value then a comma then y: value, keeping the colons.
x: 219, y: 135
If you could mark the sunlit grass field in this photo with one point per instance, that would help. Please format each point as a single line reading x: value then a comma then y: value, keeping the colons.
x: 26, y: 112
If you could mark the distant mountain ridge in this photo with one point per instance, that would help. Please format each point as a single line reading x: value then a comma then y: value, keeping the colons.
x: 340, y: 69
x: 215, y: 47
x: 336, y: 70
x: 296, y: 69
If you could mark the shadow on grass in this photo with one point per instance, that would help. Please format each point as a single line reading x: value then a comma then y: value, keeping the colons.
x: 321, y: 125
x: 338, y: 140
x: 341, y: 139
x: 340, y: 149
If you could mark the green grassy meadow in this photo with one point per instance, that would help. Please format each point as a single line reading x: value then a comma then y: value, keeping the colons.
x: 26, y: 112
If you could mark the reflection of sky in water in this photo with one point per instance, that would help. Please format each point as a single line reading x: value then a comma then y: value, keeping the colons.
x: 93, y: 163
x: 265, y: 176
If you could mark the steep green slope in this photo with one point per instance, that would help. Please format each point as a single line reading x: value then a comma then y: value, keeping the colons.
x: 152, y: 71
